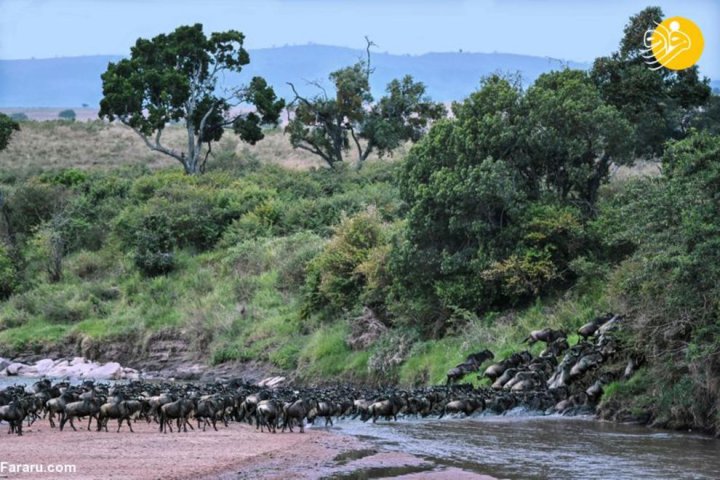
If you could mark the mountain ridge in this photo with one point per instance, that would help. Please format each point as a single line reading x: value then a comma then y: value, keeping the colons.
x: 74, y: 81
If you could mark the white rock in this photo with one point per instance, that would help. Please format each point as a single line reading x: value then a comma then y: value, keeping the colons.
x: 28, y: 370
x: 271, y: 382
x: 77, y: 361
x: 111, y: 370
x: 14, y: 368
x: 43, y: 366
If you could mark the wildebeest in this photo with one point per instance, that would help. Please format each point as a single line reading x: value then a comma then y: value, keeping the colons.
x: 122, y: 411
x: 297, y: 411
x: 466, y: 405
x: 546, y: 335
x: 386, y: 408
x: 325, y: 410
x: 471, y: 364
x: 79, y: 409
x: 13, y: 413
x: 515, y: 360
x: 57, y: 405
x: 210, y: 409
x: 267, y: 414
x: 179, y: 410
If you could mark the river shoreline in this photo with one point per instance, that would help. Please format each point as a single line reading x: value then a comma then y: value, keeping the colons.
x: 234, y: 452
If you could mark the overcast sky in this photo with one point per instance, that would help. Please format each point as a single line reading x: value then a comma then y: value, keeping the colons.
x: 568, y: 29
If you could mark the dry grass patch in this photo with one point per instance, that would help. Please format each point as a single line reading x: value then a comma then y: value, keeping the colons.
x: 97, y: 144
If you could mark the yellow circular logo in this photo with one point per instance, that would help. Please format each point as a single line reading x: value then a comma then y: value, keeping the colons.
x: 676, y: 43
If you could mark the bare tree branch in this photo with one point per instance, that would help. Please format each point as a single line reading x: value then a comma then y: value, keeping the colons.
x: 155, y: 146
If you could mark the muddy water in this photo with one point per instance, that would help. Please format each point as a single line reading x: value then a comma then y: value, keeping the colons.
x: 530, y: 447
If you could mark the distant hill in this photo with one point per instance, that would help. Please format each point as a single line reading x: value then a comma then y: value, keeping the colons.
x: 74, y: 81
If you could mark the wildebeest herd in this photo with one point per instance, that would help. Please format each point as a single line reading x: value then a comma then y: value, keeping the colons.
x: 543, y: 383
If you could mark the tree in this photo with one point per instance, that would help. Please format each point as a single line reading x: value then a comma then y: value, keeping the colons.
x: 19, y: 117
x: 68, y: 115
x: 7, y: 127
x: 660, y: 104
x: 573, y: 136
x: 497, y: 195
x: 174, y: 77
x: 326, y: 126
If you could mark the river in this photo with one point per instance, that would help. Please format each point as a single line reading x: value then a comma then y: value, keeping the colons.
x: 533, y: 447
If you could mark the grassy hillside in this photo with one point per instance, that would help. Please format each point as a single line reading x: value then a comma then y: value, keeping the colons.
x: 293, y: 267
x: 235, y: 293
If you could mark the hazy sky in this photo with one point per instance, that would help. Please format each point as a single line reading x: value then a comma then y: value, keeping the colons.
x: 569, y: 29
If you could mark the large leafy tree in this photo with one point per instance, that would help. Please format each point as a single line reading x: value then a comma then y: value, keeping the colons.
x: 7, y: 127
x: 660, y: 104
x: 572, y: 136
x: 8, y: 272
x: 174, y: 78
x: 330, y: 126
x: 497, y: 194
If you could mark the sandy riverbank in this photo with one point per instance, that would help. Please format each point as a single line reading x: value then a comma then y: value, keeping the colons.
x: 231, y: 453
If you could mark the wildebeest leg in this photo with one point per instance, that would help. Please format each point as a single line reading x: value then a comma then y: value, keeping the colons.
x: 129, y: 425
x: 72, y: 424
x: 187, y: 422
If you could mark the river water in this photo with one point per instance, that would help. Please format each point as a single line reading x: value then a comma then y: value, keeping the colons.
x: 525, y: 446
x: 534, y: 447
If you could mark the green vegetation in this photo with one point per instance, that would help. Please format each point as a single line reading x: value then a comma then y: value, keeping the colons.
x: 7, y: 127
x: 502, y: 219
x: 325, y: 126
x: 67, y: 115
x: 174, y: 78
x: 19, y: 117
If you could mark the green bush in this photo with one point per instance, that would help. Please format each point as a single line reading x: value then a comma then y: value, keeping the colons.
x: 227, y: 353
x: 68, y: 115
x: 32, y: 203
x: 68, y: 177
x: 335, y: 277
x: 19, y: 117
x: 154, y: 245
x: 8, y: 273
x: 198, y: 214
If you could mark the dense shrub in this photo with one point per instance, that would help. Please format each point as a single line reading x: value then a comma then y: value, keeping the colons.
x: 68, y: 115
x: 19, y: 117
x: 8, y: 273
x: 669, y: 285
x: 154, y: 244
x: 32, y: 203
x: 335, y: 278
